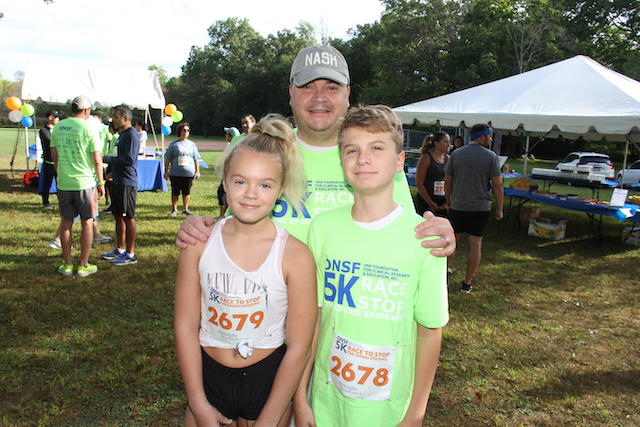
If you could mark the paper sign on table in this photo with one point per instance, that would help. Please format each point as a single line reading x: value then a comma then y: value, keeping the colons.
x: 618, y: 197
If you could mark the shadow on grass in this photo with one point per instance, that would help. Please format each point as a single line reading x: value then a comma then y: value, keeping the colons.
x: 588, y: 383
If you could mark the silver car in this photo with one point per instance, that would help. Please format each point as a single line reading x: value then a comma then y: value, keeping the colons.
x: 601, y: 163
x: 631, y: 174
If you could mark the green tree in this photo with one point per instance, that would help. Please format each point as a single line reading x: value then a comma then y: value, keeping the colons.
x: 401, y: 58
x: 162, y: 74
x: 237, y: 72
x: 502, y: 38
x: 606, y: 30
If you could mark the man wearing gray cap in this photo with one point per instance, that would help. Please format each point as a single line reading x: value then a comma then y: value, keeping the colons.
x: 76, y: 152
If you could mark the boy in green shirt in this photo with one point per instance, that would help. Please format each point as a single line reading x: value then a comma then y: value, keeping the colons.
x: 382, y: 297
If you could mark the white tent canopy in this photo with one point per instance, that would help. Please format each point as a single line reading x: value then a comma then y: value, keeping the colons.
x: 574, y: 97
x: 106, y: 87
x: 58, y: 83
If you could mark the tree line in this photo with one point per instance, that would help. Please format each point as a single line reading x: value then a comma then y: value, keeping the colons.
x: 417, y: 50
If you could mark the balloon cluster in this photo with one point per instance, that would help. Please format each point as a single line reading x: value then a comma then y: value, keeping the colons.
x: 172, y: 116
x: 20, y: 113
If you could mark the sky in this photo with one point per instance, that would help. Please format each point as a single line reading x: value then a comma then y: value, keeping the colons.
x: 134, y: 34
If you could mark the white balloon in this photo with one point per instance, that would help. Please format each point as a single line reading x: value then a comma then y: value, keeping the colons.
x: 167, y: 121
x: 15, y: 116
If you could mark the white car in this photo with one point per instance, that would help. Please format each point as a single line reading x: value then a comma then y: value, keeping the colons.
x: 631, y: 174
x: 601, y: 163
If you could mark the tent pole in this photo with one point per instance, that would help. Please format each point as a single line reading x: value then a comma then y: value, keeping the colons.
x: 35, y: 138
x: 162, y: 116
x: 624, y: 163
x: 26, y: 145
x: 526, y: 157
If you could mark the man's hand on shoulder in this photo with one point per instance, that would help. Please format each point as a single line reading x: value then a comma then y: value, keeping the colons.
x: 193, y: 229
x: 437, y: 226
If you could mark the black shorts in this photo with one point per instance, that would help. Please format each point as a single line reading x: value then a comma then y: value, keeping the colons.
x: 123, y: 200
x: 181, y: 184
x: 240, y: 392
x: 473, y: 223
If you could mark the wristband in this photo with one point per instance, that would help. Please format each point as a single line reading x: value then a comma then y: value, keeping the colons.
x: 100, y: 184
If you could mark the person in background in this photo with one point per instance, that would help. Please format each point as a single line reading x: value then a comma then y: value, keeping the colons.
x: 48, y: 169
x: 470, y: 175
x: 430, y: 174
x: 124, y: 190
x: 181, y: 167
x: 141, y: 128
x: 230, y: 133
x: 247, y: 122
x: 458, y: 142
x: 95, y: 121
x: 76, y: 153
x: 109, y: 150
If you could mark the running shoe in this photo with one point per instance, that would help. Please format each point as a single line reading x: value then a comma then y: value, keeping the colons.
x: 66, y: 269
x: 186, y: 212
x: 103, y: 239
x: 125, y: 259
x: 107, y: 210
x: 85, y: 271
x: 114, y: 254
x: 466, y: 288
x: 48, y: 207
x: 54, y: 244
x: 173, y: 213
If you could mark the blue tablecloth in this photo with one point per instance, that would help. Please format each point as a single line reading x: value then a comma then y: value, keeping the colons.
x: 628, y: 211
x: 150, y: 177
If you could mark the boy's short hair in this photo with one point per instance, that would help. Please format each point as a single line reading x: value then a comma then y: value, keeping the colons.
x: 373, y: 119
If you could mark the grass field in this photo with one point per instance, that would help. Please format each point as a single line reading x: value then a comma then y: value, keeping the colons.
x: 549, y: 336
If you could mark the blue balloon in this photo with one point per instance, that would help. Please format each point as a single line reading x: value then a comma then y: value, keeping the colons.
x: 166, y: 130
x: 27, y: 122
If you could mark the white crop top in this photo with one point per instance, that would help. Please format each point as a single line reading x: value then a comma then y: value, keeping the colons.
x: 242, y: 309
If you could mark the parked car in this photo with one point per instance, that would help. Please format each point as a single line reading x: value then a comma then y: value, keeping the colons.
x: 631, y: 174
x: 601, y: 163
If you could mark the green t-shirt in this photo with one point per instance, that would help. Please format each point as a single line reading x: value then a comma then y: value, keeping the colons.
x: 236, y: 139
x: 373, y: 286
x: 74, y: 141
x: 327, y: 189
x: 105, y: 138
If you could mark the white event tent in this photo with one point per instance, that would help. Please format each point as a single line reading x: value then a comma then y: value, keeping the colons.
x: 60, y: 83
x: 575, y: 97
x: 106, y: 87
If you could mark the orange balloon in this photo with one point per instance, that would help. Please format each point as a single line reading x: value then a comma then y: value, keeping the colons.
x: 14, y: 103
x: 170, y: 109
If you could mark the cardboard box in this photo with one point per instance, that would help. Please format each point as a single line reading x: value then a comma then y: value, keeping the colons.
x: 528, y: 212
x: 631, y: 237
x: 547, y: 229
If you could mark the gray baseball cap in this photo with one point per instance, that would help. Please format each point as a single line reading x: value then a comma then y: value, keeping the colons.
x: 319, y: 62
x: 82, y: 102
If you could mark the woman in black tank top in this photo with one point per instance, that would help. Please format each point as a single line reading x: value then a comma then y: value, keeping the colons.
x: 430, y: 174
